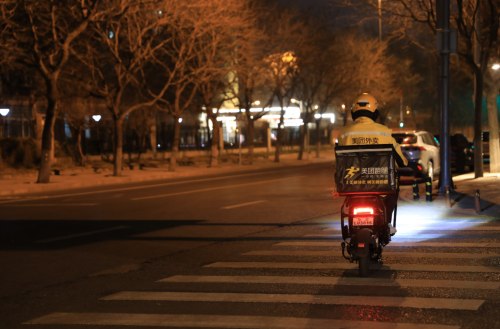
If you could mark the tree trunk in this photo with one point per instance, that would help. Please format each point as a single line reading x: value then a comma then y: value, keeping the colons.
x: 152, y: 138
x: 318, y: 138
x: 118, y: 141
x: 278, y: 138
x: 251, y: 137
x: 1, y: 160
x: 302, y: 141
x: 81, y: 159
x: 142, y: 144
x: 214, y: 146
x: 48, y: 132
x: 478, y: 125
x: 175, y: 146
x: 491, y: 103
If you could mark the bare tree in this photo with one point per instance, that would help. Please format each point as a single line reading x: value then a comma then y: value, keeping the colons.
x: 251, y: 74
x: 285, y: 34
x: 124, y: 47
x: 39, y: 35
x: 203, y: 44
x: 76, y: 112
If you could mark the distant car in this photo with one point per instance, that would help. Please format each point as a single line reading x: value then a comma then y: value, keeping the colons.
x: 422, y: 151
x: 461, y: 152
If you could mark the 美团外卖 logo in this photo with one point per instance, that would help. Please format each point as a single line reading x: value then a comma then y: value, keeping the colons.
x: 351, y: 172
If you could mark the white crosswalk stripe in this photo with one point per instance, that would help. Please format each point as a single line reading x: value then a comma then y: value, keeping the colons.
x: 409, y: 237
x: 431, y: 228
x: 220, y: 321
x: 411, y: 302
x: 334, y: 281
x: 348, y: 266
x: 332, y: 253
x: 397, y: 244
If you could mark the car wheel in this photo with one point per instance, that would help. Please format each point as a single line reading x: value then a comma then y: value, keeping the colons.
x: 430, y: 169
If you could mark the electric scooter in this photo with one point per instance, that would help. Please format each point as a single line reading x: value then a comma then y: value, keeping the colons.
x: 365, y: 174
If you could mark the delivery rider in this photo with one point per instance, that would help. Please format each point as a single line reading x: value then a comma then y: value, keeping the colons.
x: 364, y: 131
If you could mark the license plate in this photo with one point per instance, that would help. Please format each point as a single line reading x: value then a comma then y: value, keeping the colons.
x: 362, y: 221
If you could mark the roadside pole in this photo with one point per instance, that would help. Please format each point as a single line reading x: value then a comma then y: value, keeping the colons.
x: 239, y: 142
x: 443, y: 49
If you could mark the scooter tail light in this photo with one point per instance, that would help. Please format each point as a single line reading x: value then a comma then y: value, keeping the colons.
x: 364, y: 210
x: 419, y: 167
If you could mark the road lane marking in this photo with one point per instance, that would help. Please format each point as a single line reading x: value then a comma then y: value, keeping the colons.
x: 82, y: 234
x: 412, y: 302
x: 323, y: 253
x: 349, y: 266
x: 214, y: 188
x: 337, y: 281
x: 243, y: 204
x: 396, y: 244
x: 129, y: 188
x: 429, y: 228
x: 51, y: 205
x: 220, y: 321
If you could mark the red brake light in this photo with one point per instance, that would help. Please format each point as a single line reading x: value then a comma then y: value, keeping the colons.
x: 365, y: 210
x: 419, y: 167
x: 421, y: 148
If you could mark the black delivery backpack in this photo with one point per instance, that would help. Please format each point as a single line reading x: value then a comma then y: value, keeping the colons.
x: 365, y: 169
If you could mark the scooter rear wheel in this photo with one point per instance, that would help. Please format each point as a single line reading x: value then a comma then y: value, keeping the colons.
x: 364, y: 266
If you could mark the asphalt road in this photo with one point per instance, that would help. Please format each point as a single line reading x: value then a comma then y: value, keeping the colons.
x: 252, y: 250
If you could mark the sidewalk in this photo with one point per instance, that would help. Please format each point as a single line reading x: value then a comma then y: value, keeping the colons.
x: 86, y: 177
x: 462, y: 200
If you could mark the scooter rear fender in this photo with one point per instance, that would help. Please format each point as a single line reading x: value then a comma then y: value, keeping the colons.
x: 361, y: 242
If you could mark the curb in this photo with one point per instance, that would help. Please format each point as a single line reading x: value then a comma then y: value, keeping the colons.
x: 124, y: 180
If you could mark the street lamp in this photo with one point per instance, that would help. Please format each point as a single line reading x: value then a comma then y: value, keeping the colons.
x: 97, y: 118
x: 345, y: 114
x: 4, y: 113
x: 496, y: 66
x: 257, y: 102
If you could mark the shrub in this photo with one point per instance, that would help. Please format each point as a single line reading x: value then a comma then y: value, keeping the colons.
x: 19, y: 152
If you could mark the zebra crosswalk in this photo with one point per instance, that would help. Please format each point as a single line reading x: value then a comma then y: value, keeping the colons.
x: 262, y: 273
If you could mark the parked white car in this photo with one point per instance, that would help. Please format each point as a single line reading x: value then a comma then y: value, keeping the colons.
x: 422, y: 151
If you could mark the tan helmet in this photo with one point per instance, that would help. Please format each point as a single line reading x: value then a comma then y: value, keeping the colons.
x: 364, y: 101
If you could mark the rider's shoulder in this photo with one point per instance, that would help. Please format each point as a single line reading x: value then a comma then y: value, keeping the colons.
x: 383, y: 128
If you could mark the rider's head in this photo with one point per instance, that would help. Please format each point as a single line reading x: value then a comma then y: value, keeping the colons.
x: 364, y: 105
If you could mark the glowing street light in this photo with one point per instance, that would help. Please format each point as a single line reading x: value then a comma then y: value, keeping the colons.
x: 96, y: 118
x: 496, y: 66
x: 343, y: 106
x: 257, y: 102
x: 4, y: 112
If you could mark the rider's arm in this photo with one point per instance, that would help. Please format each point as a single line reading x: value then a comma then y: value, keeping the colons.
x: 399, y: 153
